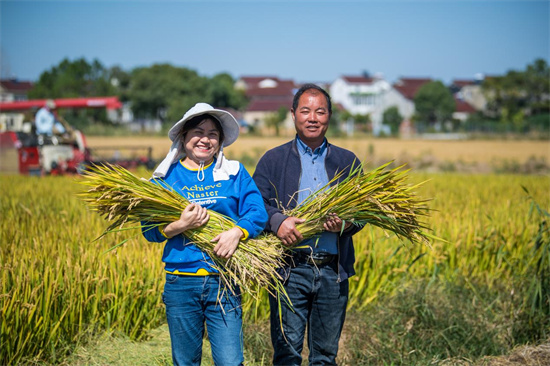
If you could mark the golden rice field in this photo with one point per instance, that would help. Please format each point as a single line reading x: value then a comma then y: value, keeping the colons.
x: 481, y: 151
x: 58, y: 285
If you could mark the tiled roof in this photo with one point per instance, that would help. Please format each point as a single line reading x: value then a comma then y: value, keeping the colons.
x: 357, y: 79
x: 463, y: 106
x: 462, y: 83
x: 15, y: 85
x: 256, y: 79
x: 267, y: 92
x: 269, y: 105
x: 409, y: 86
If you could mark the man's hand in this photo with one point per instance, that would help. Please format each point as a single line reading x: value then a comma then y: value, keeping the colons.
x: 288, y: 233
x: 334, y: 224
x: 228, y: 241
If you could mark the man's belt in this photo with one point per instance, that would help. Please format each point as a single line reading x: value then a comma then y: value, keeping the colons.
x: 317, y: 259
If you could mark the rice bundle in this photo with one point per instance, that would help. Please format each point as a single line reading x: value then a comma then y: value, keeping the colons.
x: 379, y: 197
x: 124, y: 199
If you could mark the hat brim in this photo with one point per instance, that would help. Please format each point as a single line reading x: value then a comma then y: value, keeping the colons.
x: 229, y: 125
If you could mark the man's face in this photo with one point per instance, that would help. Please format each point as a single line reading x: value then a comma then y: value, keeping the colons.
x: 311, y: 118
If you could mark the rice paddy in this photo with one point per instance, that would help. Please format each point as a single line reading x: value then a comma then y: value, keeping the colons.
x: 58, y: 286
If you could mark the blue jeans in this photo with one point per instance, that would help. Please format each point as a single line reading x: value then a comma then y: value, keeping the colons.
x: 319, y: 302
x: 192, y: 301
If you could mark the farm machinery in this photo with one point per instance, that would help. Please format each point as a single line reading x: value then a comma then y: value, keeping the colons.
x: 24, y: 151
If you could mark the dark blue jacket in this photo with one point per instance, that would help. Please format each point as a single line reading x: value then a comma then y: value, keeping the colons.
x: 277, y: 176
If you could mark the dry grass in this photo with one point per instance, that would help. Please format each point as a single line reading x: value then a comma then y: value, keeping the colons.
x: 526, y: 355
x: 384, y: 149
x: 521, y: 356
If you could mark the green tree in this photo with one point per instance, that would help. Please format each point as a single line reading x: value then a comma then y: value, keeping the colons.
x: 120, y: 80
x: 362, y: 122
x: 220, y: 92
x: 392, y: 118
x: 518, y: 93
x: 164, y: 91
x: 275, y: 119
x: 434, y: 103
x: 167, y: 92
x: 73, y: 79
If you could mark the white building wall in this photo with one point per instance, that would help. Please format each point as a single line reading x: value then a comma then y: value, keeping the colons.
x: 393, y: 98
x: 372, y: 99
x: 473, y: 94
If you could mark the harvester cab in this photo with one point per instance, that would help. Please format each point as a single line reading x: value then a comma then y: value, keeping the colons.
x: 24, y: 150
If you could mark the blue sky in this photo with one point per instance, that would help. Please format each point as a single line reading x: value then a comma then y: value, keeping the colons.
x: 315, y: 41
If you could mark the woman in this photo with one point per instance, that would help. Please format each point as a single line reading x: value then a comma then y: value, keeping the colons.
x: 197, y: 169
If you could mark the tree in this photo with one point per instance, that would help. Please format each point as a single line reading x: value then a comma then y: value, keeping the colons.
x: 275, y: 119
x: 73, y: 79
x: 220, y: 92
x: 393, y: 119
x: 120, y: 80
x: 362, y: 122
x: 518, y: 93
x: 167, y: 92
x: 164, y: 91
x: 434, y: 103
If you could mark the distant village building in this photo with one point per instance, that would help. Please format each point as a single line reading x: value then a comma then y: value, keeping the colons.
x: 469, y: 92
x: 361, y: 95
x: 373, y: 96
x: 266, y: 95
x: 13, y: 90
x: 463, y: 110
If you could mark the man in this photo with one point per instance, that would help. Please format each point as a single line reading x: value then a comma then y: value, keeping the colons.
x: 316, y: 278
x: 45, y: 120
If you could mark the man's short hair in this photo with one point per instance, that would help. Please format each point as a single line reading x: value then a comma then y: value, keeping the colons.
x: 306, y: 88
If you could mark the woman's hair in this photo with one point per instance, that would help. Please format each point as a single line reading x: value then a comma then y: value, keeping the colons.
x: 197, y: 120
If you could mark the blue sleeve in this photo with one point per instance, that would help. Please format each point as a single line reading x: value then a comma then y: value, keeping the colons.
x: 153, y: 234
x: 252, y: 213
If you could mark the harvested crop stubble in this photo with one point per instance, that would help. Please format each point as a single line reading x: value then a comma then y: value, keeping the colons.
x: 379, y: 197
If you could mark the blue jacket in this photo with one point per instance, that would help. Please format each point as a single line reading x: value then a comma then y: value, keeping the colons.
x: 277, y: 176
x: 238, y: 197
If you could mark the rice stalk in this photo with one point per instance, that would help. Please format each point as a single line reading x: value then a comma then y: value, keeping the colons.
x: 124, y: 199
x: 379, y: 197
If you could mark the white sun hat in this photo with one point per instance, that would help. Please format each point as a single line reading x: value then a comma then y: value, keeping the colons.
x: 229, y: 124
x: 224, y: 168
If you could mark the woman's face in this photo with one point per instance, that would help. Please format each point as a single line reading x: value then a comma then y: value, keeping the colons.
x: 202, y: 142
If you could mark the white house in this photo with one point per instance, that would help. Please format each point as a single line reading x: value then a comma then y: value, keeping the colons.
x: 470, y: 92
x: 372, y: 96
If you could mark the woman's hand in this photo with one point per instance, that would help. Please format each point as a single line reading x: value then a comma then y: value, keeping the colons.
x: 228, y: 241
x: 192, y: 217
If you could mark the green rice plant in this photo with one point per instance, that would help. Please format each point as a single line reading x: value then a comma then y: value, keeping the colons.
x: 537, y: 300
x: 57, y: 288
